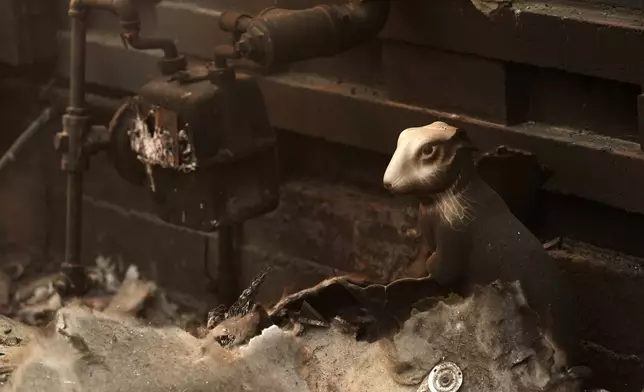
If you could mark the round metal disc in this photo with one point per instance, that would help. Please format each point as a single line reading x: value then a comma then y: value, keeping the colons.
x: 445, y: 377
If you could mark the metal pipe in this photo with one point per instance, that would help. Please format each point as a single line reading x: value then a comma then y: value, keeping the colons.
x: 130, y: 21
x: 282, y: 36
x: 123, y: 8
x: 227, y: 266
x: 10, y: 154
x: 74, y: 218
x: 77, y: 60
x: 71, y: 137
x: 166, y: 45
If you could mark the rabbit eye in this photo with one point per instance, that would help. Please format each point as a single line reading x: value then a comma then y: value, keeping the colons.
x: 428, y: 150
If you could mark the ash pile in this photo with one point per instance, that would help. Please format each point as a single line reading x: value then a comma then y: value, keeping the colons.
x: 127, y: 334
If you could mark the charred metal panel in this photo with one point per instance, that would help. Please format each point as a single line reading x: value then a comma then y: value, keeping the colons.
x: 446, y: 81
x: 580, y: 102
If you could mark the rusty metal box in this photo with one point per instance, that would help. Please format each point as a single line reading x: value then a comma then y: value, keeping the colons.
x: 206, y: 151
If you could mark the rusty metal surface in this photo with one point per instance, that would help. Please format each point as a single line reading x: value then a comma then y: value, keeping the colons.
x: 206, y: 152
x: 283, y: 36
x: 596, y: 41
x: 448, y: 81
x: 543, y: 34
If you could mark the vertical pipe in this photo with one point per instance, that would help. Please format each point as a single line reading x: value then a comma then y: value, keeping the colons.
x: 74, y: 173
x: 227, y: 268
x: 73, y: 219
x: 77, y: 59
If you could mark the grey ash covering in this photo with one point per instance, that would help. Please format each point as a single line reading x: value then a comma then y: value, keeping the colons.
x: 492, y: 336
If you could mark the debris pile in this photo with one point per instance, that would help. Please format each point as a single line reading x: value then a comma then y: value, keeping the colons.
x: 112, y: 289
x: 342, y: 334
x: 443, y: 344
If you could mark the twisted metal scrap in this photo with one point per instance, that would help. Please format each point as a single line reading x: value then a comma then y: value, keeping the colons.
x: 243, y: 320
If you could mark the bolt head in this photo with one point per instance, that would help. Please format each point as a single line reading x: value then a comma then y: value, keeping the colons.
x: 243, y: 46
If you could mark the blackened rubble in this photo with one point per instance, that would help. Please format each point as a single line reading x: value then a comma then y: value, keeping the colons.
x: 113, y: 289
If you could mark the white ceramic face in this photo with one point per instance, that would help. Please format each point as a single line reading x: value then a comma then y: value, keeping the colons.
x: 416, y: 162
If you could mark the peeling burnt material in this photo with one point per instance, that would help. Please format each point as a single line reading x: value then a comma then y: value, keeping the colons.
x: 279, y: 36
x: 516, y: 175
x: 244, y: 304
x: 375, y: 310
x: 495, y: 320
x: 238, y: 330
x: 160, y: 138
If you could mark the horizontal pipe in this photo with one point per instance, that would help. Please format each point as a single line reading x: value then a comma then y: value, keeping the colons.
x: 123, y: 8
x: 282, y: 36
x: 169, y: 48
x: 129, y: 18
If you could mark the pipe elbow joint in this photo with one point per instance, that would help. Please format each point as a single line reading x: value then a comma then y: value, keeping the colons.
x: 124, y: 9
x: 127, y: 13
x: 75, y: 6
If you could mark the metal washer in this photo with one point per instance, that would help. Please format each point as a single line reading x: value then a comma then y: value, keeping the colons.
x: 445, y: 377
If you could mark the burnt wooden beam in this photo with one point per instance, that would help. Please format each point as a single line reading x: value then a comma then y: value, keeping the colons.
x: 581, y: 38
x: 592, y: 166
x: 640, y: 118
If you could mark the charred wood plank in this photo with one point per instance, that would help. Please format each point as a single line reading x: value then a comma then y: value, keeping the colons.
x: 589, y: 40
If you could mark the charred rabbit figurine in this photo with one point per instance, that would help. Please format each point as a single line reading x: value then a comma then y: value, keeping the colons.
x: 470, y: 236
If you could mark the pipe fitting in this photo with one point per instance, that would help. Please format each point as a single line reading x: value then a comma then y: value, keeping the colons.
x: 125, y: 10
x: 168, y: 47
x: 281, y: 36
x: 69, y: 142
x: 234, y: 22
x: 131, y: 24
